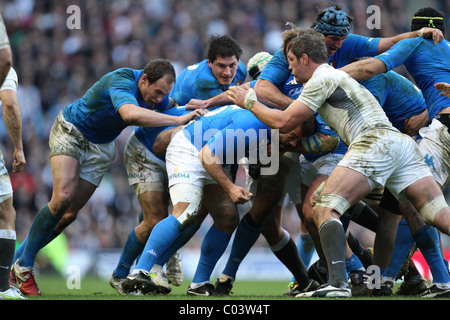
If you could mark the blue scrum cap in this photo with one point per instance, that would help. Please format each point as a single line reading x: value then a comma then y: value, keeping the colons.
x: 333, y: 21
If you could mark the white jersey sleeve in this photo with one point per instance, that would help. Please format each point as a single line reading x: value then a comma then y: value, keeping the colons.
x: 11, y: 81
x: 346, y: 106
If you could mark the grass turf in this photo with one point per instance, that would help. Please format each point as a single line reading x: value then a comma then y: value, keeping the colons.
x: 55, y: 287
x: 250, y: 299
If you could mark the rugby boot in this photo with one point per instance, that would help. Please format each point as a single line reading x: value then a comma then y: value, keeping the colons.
x: 359, y: 286
x: 116, y: 283
x: 327, y: 291
x: 205, y: 290
x: 223, y: 285
x: 174, y: 270
x: 317, y: 272
x: 138, y: 280
x: 25, y: 280
x: 292, y: 289
x: 11, y: 293
x: 435, y: 292
x: 160, y: 281
x: 386, y: 288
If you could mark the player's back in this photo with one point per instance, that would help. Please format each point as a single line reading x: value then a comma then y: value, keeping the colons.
x: 399, y: 97
x: 345, y: 105
x: 428, y: 63
x: 225, y: 121
x: 147, y: 135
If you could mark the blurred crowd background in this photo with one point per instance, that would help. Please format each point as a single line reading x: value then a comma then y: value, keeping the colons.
x: 56, y: 65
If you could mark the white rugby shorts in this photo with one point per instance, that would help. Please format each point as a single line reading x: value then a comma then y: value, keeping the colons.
x: 183, y: 164
x: 323, y: 165
x: 386, y: 158
x: 95, y: 159
x: 435, y: 148
x: 146, y: 172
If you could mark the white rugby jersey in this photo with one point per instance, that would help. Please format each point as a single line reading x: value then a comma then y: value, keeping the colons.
x: 345, y: 105
x: 11, y: 81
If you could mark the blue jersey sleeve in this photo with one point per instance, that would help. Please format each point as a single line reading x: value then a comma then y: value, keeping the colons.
x: 122, y: 89
x: 427, y: 63
x: 277, y: 70
x: 399, y: 53
x: 354, y: 46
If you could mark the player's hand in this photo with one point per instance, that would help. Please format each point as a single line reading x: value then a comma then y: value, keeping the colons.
x: 444, y: 87
x: 19, y: 161
x: 414, y: 123
x: 239, y: 195
x: 194, y: 115
x: 237, y: 95
x: 194, y: 104
x: 431, y: 33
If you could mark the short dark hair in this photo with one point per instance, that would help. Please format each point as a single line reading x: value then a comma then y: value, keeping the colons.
x: 310, y: 43
x: 223, y: 46
x: 428, y: 17
x: 158, y: 68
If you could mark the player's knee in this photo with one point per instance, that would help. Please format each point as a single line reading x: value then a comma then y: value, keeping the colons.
x: 61, y: 202
x: 430, y: 209
x: 332, y: 201
x: 227, y: 220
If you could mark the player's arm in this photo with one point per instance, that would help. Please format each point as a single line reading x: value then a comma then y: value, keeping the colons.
x: 5, y: 63
x: 428, y: 33
x: 138, y: 116
x: 444, y: 87
x: 270, y: 95
x: 414, y: 123
x: 163, y: 139
x: 365, y: 69
x: 284, y: 120
x: 12, y: 118
x: 218, y: 100
x: 212, y: 164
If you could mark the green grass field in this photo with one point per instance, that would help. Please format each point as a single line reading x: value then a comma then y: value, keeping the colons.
x: 54, y: 287
x: 261, y: 300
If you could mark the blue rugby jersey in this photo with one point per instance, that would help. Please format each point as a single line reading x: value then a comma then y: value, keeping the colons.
x: 398, y: 96
x: 354, y: 46
x: 198, y: 82
x: 428, y: 63
x: 228, y: 131
x: 147, y: 135
x: 277, y: 72
x: 96, y: 113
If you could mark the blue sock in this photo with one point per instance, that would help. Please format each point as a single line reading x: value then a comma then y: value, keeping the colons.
x: 213, y: 246
x: 180, y: 241
x: 427, y: 240
x: 353, y: 263
x: 402, y: 246
x: 20, y: 249
x: 132, y: 249
x: 163, y: 234
x: 41, y: 232
x: 245, y: 237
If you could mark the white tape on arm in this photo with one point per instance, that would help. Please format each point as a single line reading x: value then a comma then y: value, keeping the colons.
x: 250, y: 99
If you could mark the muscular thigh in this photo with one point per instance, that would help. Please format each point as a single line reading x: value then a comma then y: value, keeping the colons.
x: 347, y: 183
